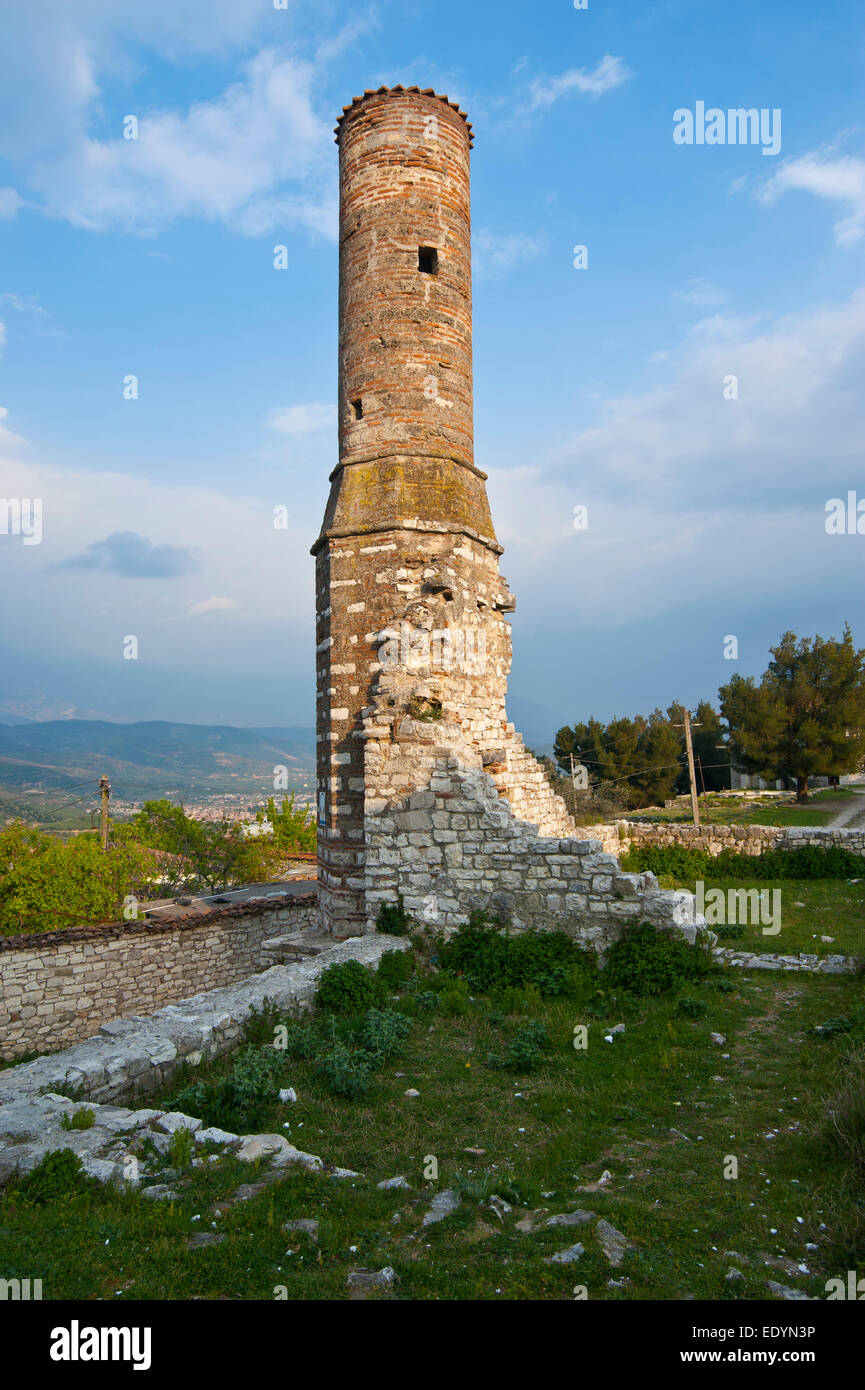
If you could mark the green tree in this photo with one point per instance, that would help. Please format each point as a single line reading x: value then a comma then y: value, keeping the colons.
x: 714, y: 760
x: 48, y: 885
x: 806, y: 717
x: 204, y: 853
x: 707, y: 732
x: 636, y: 758
x: 586, y: 742
x: 293, y: 826
x: 659, y: 749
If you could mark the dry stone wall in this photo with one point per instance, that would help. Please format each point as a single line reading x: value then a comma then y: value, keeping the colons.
x: 618, y: 838
x: 58, y: 987
x: 133, y: 1057
x: 452, y: 844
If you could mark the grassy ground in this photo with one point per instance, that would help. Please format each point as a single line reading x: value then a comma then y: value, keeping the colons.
x: 820, y: 809
x: 662, y: 1108
x: 810, y: 910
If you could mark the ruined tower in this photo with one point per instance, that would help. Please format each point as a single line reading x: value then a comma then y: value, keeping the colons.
x: 413, y: 650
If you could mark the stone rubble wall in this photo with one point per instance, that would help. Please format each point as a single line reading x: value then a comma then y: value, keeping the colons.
x: 618, y: 838
x: 58, y: 987
x: 453, y: 845
x: 135, y: 1056
x: 529, y: 794
x: 805, y: 962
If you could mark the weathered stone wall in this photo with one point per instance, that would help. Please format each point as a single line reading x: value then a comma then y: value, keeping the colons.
x: 742, y: 839
x: 453, y: 845
x: 59, y: 987
x: 133, y: 1057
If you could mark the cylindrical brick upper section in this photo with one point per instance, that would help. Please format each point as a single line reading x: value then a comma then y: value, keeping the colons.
x: 405, y: 297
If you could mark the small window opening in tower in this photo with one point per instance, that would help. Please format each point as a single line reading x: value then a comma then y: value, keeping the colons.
x: 428, y: 260
x: 357, y: 407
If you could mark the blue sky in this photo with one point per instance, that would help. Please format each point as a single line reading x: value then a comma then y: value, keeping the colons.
x: 600, y: 387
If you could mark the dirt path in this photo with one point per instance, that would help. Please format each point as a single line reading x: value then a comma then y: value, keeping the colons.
x: 853, y: 815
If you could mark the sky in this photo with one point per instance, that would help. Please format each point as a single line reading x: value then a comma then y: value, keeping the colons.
x: 696, y: 386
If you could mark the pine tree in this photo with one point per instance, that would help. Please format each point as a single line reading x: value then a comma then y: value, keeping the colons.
x: 806, y: 717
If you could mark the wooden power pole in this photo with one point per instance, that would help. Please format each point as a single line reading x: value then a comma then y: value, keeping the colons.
x: 105, y: 790
x: 695, y: 805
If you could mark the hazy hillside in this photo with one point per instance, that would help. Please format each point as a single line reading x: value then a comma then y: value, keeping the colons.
x: 45, y: 762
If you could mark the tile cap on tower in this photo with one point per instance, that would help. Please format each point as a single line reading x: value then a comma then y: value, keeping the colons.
x: 399, y: 90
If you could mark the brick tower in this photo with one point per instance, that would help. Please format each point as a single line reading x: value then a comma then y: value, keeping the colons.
x: 413, y: 650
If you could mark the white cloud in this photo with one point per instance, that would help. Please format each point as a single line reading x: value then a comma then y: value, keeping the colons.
x: 10, y: 202
x: 239, y: 552
x: 799, y: 413
x: 694, y: 499
x: 24, y: 306
x: 256, y: 156
x: 9, y: 442
x: 303, y: 419
x: 701, y: 293
x: 348, y: 35
x: 213, y: 605
x: 227, y: 159
x: 496, y: 255
x: 609, y: 73
x: 840, y: 180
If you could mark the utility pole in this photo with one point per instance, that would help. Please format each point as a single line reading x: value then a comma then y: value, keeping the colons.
x: 687, y: 726
x: 705, y: 793
x: 105, y: 790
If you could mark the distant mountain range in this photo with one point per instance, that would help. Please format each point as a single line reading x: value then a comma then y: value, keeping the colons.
x: 149, y: 759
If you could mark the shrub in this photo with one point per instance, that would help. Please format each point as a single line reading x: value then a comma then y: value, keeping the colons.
x: 728, y: 931
x: 525, y: 1051
x: 57, y: 1175
x: 383, y: 1033
x: 392, y: 919
x: 241, y: 1100
x: 557, y: 982
x: 833, y: 1027
x: 299, y: 1042
x: 490, y: 959
x: 349, y: 988
x: 598, y: 1005
x: 688, y: 865
x: 47, y: 884
x: 395, y: 969
x: 645, y: 960
x: 454, y: 999
x: 425, y: 1001
x: 82, y: 1119
x: 181, y: 1148
x: 345, y: 1072
x: 674, y: 860
x: 691, y: 1008
x: 527, y: 1047
x: 261, y: 1024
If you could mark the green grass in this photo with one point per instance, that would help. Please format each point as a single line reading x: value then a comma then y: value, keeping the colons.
x: 820, y: 809
x: 660, y: 1108
x: 810, y: 908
